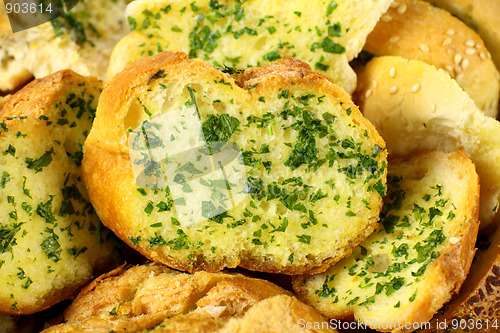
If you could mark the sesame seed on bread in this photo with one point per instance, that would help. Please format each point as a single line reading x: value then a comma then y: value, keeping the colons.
x: 480, y: 15
x: 415, y: 106
x: 414, y: 29
x: 51, y: 241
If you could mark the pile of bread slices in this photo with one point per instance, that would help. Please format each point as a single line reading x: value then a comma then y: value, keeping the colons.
x: 251, y: 166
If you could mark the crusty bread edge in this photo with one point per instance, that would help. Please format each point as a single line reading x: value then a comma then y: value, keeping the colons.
x: 119, y: 93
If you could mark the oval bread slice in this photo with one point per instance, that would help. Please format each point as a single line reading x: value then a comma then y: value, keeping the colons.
x: 414, y: 29
x: 154, y: 298
x: 325, y: 34
x: 408, y: 269
x: 50, y: 237
x: 304, y: 190
x: 416, y: 107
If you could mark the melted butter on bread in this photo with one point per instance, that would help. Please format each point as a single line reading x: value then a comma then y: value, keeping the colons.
x: 315, y: 168
x: 325, y: 34
x: 418, y: 258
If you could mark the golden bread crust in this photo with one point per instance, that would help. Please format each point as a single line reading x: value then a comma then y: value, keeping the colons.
x: 155, y: 298
x: 405, y: 293
x: 414, y: 29
x: 106, y: 159
x: 51, y: 241
x: 482, y: 16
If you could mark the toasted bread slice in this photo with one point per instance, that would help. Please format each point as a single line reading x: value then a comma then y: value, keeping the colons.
x: 404, y: 272
x: 481, y: 15
x: 304, y: 191
x: 81, y: 40
x: 475, y: 308
x: 154, y: 298
x: 50, y: 238
x: 240, y: 34
x: 414, y: 29
x: 416, y: 107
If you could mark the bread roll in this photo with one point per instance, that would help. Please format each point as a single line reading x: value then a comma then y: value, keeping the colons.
x: 420, y: 256
x: 153, y: 298
x: 481, y: 15
x: 416, y: 107
x: 51, y: 241
x: 413, y: 29
x: 240, y: 34
x: 81, y: 40
x: 304, y: 190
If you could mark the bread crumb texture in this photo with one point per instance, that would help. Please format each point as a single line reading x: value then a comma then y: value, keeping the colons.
x: 438, y: 115
x: 414, y: 29
x: 50, y: 238
x: 81, y: 40
x: 407, y: 269
x: 314, y: 169
x: 240, y: 34
x: 154, y: 298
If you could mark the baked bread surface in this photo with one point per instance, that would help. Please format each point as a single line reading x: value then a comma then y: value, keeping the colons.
x: 50, y: 237
x: 325, y: 34
x: 295, y: 212
x: 416, y: 107
x: 421, y: 254
x: 482, y: 16
x: 81, y: 40
x: 154, y: 298
x: 414, y: 29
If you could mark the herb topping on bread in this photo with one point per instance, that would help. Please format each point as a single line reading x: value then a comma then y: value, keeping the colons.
x: 306, y: 190
x: 421, y: 254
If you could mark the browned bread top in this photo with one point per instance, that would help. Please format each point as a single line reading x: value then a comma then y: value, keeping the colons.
x: 154, y: 298
x: 409, y: 268
x: 414, y: 29
x: 416, y: 107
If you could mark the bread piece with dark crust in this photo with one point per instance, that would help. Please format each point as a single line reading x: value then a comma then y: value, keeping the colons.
x: 480, y: 15
x: 51, y: 240
x: 154, y: 298
x: 420, y: 256
x: 295, y: 210
x: 241, y: 34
